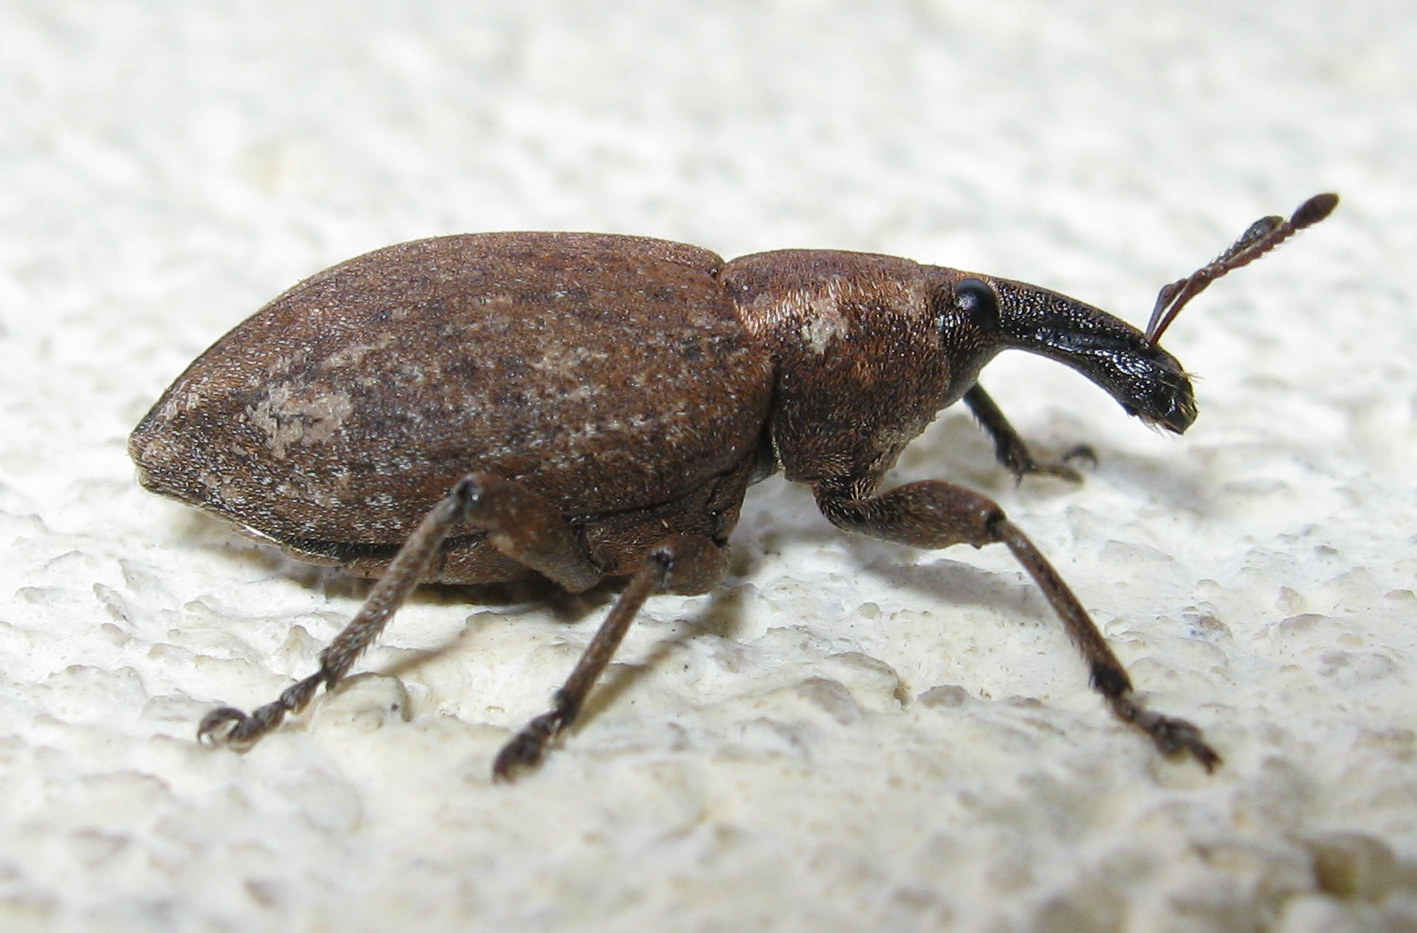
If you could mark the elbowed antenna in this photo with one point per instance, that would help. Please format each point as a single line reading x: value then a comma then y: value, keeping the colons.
x: 1262, y: 236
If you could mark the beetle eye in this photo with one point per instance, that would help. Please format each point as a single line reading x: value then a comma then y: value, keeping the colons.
x: 976, y: 299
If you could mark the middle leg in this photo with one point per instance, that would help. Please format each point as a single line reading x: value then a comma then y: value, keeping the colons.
x: 684, y: 564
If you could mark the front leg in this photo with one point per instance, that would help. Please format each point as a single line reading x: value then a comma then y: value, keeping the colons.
x: 934, y: 514
x: 1010, y: 449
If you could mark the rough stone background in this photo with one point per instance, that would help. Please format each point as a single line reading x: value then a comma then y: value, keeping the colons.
x: 850, y: 735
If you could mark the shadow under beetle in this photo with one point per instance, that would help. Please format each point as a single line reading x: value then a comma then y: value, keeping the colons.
x: 481, y: 408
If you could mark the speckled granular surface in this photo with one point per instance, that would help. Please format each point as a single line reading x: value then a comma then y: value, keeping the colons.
x: 850, y: 735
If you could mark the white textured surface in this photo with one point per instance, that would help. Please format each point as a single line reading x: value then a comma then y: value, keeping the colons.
x: 850, y: 736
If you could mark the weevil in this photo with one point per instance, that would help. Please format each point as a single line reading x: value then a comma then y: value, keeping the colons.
x: 489, y: 407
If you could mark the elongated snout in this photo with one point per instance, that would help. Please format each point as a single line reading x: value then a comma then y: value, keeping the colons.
x: 1145, y: 379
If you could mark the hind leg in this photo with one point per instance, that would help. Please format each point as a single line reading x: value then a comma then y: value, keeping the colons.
x: 520, y: 523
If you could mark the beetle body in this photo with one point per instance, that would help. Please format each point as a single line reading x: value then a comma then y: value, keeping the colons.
x: 484, y: 407
x: 629, y: 380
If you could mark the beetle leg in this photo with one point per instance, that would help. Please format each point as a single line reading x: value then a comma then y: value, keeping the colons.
x: 523, y: 525
x: 684, y: 564
x: 1010, y: 449
x: 934, y: 514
